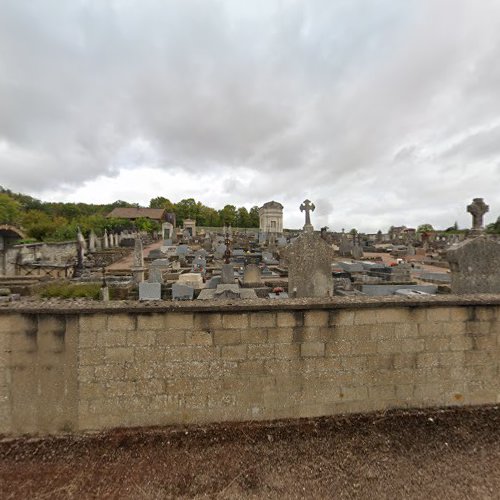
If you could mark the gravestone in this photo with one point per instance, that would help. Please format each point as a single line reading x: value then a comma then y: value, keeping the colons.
x: 214, y: 281
x: 310, y: 267
x: 219, y: 251
x: 226, y: 291
x: 227, y: 274
x: 475, y: 266
x: 92, y: 241
x: 181, y: 291
x: 149, y: 291
x: 169, y: 250
x: 281, y: 241
x: 167, y: 230
x: 138, y: 262
x: 155, y: 274
x: 192, y: 279
x: 477, y: 209
x: 182, y: 250
x: 308, y: 207
x: 199, y: 264
x: 357, y: 252
x: 345, y: 246
x: 252, y: 275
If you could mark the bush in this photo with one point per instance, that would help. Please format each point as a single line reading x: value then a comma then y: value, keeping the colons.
x: 71, y: 290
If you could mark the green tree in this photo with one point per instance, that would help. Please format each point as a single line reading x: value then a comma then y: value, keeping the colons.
x: 425, y: 228
x: 228, y: 215
x: 162, y: 202
x: 242, y: 217
x: 10, y: 210
x: 254, y: 217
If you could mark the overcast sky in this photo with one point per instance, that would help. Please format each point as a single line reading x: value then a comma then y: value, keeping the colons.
x: 382, y: 112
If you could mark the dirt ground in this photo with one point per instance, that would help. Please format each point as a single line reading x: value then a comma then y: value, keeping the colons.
x: 421, y: 454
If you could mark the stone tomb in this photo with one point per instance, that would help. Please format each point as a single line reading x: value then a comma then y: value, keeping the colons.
x: 310, y: 267
x: 149, y: 291
x: 475, y: 266
x: 251, y: 275
x: 192, y: 279
x: 182, y: 291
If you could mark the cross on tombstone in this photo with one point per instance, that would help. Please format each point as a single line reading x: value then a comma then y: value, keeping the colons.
x: 307, y: 207
x: 477, y: 209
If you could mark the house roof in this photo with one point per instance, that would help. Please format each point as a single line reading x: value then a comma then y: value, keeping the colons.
x: 134, y: 213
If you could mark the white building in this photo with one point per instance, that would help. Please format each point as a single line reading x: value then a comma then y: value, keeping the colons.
x: 271, y: 218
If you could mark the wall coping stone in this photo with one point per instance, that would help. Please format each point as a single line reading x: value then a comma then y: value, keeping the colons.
x: 61, y: 306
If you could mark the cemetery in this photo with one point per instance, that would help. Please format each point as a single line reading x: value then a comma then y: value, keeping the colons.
x: 196, y: 326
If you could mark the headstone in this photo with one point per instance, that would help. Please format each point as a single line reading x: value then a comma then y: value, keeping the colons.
x: 345, y: 246
x: 475, y: 266
x: 192, y: 279
x: 308, y: 207
x: 227, y: 274
x: 410, y: 251
x: 182, y: 250
x: 156, y: 253
x: 167, y: 229
x: 138, y: 262
x: 105, y: 241
x: 477, y: 209
x: 149, y: 291
x: 252, y: 275
x: 226, y: 291
x: 199, y: 264
x: 170, y: 250
x: 92, y: 241
x: 181, y: 291
x: 155, y: 274
x: 214, y: 281
x: 231, y: 292
x: 310, y: 267
x: 219, y: 251
x: 138, y: 253
x: 104, y: 293
x: 357, y: 252
x: 281, y: 241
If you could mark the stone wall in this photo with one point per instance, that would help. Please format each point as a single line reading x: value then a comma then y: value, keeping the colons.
x: 63, y: 369
x: 56, y: 253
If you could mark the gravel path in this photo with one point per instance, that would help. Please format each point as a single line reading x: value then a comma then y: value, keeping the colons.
x: 452, y: 454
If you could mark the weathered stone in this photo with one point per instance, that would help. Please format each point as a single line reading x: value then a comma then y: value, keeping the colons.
x: 182, y: 291
x: 227, y: 274
x: 475, y: 266
x: 309, y: 267
x: 252, y: 275
x: 149, y: 291
x: 477, y: 209
x: 192, y: 279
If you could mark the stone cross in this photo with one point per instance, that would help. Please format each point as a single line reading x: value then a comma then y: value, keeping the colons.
x: 308, y: 207
x: 477, y: 208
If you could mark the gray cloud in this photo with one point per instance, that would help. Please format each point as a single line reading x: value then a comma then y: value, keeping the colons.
x: 383, y: 112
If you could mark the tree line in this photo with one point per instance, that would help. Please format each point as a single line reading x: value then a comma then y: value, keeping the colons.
x: 57, y: 221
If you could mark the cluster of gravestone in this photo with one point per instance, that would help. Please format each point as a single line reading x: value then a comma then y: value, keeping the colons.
x: 234, y: 265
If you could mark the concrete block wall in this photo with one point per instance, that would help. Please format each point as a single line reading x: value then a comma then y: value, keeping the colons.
x: 140, y: 366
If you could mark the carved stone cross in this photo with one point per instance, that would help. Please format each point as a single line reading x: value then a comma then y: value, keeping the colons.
x: 477, y: 209
x: 308, y: 207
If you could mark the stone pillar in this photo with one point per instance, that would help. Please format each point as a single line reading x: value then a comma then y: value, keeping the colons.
x: 92, y: 241
x: 105, y: 240
x: 138, y: 263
